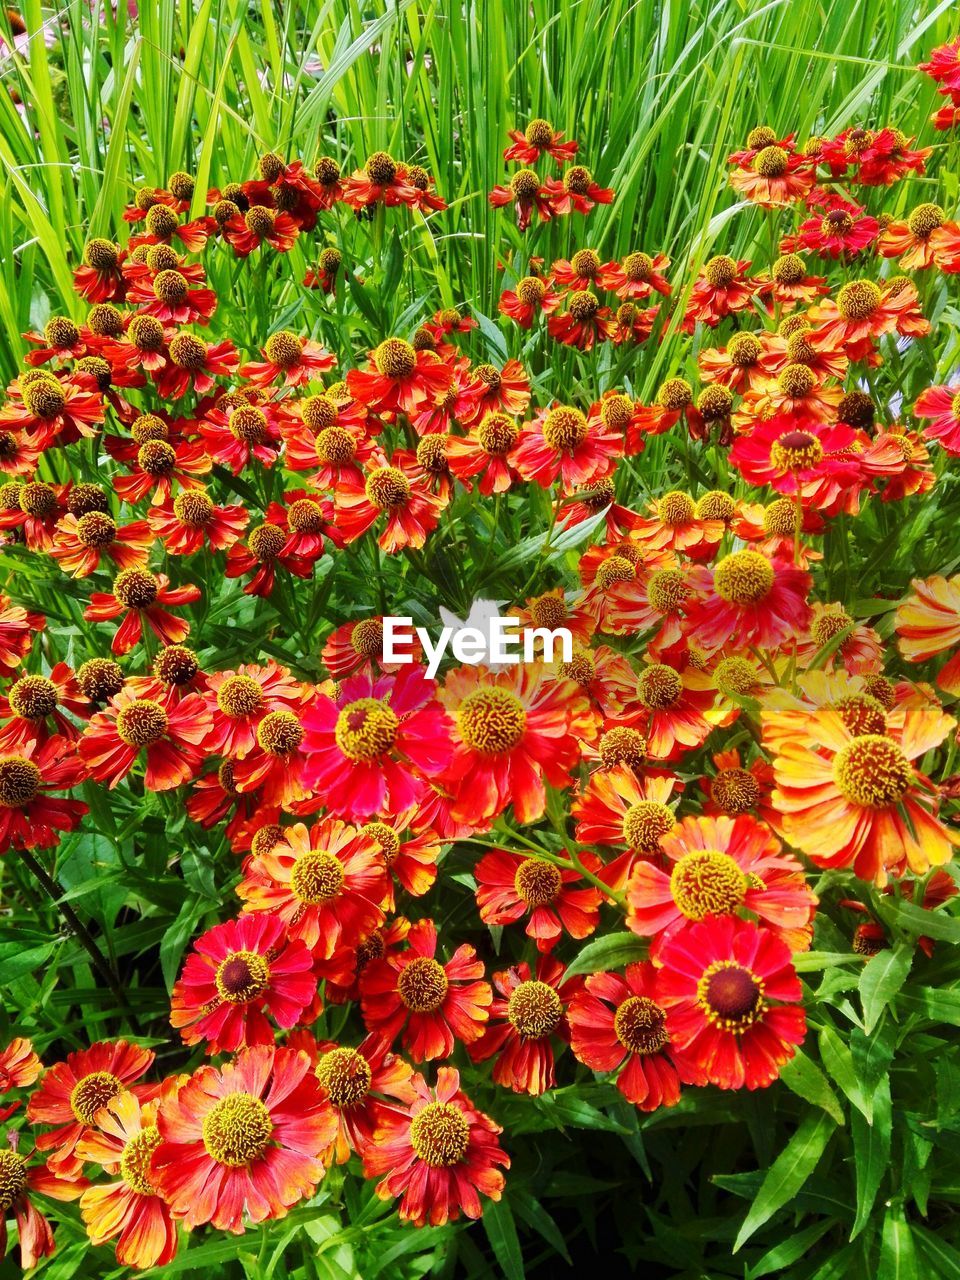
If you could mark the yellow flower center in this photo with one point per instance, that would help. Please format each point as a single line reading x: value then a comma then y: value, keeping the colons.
x: 707, y: 882
x: 91, y: 1093
x: 925, y: 219
x: 20, y: 782
x: 280, y: 733
x: 796, y: 450
x: 564, y: 428
x: 366, y: 729
x: 622, y: 746
x: 641, y: 1025
x: 136, y: 588
x: 645, y: 823
x: 534, y: 1010
x: 346, y: 1076
x: 239, y: 696
x: 720, y: 272
x: 872, y: 771
x: 771, y: 162
x: 491, y: 720
x: 385, y: 838
x: 33, y: 697
x: 735, y: 791
x: 388, y: 488
x: 789, y: 269
x: 439, y: 1135
x: 135, y: 1160
x: 858, y: 299
x: 676, y: 508
x: 266, y: 541
x: 283, y: 349
x: 539, y: 133
x: 381, y: 168
x: 715, y: 505
x: 797, y: 381
x: 96, y: 530
x: 743, y: 578
x: 237, y: 1130
x: 675, y: 394
x: 531, y: 290
x: 242, y: 976
x: 659, y: 687
x: 731, y: 996
x: 422, y: 985
x: 862, y: 714
x: 193, y: 507
x: 616, y: 569
x: 780, y: 518
x: 395, y: 358
x: 141, y: 723
x: 317, y: 877
x: 13, y: 1178
x: 536, y: 882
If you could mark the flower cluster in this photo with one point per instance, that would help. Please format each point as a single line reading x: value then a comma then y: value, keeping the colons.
x: 723, y: 735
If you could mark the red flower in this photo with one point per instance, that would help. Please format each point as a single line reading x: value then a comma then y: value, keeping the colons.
x: 239, y: 700
x: 399, y: 379
x: 486, y: 449
x: 532, y: 296
x: 762, y: 602
x: 619, y: 808
x: 562, y: 441
x: 775, y: 177
x: 357, y: 647
x: 325, y: 884
x: 515, y: 730
x: 638, y: 275
x: 942, y: 406
x: 19, y: 1183
x: 52, y: 409
x: 380, y: 181
x: 259, y: 225
x: 297, y: 360
x: 493, y: 390
x: 245, y: 1139
x: 17, y: 629
x: 276, y: 764
x: 372, y: 749
x: 128, y: 1209
x: 720, y: 866
x: 525, y: 193
x: 80, y: 541
x: 800, y: 456
x: 412, y: 511
x: 539, y: 138
x: 578, y: 191
x: 732, y: 1000
x: 72, y: 1093
x: 30, y: 818
x: 192, y: 521
x: 513, y: 885
x: 617, y: 1024
x: 158, y: 464
x: 354, y: 1084
x: 529, y: 1010
x: 168, y: 295
x: 433, y: 1004
x: 138, y: 595
x: 721, y: 289
x: 100, y: 277
x: 583, y: 323
x: 170, y: 729
x: 237, y: 973
x: 438, y: 1156
x: 195, y: 364
x: 19, y: 1065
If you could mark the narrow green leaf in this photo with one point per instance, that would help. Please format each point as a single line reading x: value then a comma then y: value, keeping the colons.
x: 502, y: 1233
x: 611, y: 952
x: 788, y: 1173
x: 881, y: 979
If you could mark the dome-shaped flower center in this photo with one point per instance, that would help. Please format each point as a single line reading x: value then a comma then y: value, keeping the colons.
x: 237, y: 1130
x: 537, y: 882
x: 305, y: 516
x: 641, y: 1025
x: 266, y: 541
x: 707, y: 882
x: 564, y: 429
x: 531, y: 290
x: 735, y: 791
x: 675, y: 394
x: 225, y: 211
x: 280, y: 733
x: 388, y: 488
x: 580, y: 668
x: 432, y: 454
x: 367, y: 637
x: 148, y: 428
x: 796, y: 450
x: 525, y: 184
x: 715, y: 505
x: 248, y: 424
x: 193, y: 507
x: 715, y: 402
x: 283, y: 349
x: 239, y: 696
x: 99, y: 679
x: 616, y: 569
x: 141, y: 723
x: 789, y: 269
x: 385, y: 838
x: 858, y: 299
x: 583, y: 305
x: 266, y: 838
x: 260, y: 221
x: 346, y: 1077
x: 318, y: 412
x: 38, y: 499
x: 20, y: 781
x: 381, y: 168
x: 242, y: 976
x: 33, y: 697
x: 622, y: 746
x: 925, y: 219
x: 366, y: 729
x: 91, y: 1093
x: 862, y: 714
x: 780, y: 518
x: 720, y: 272
x: 645, y: 823
x: 497, y: 434
x: 100, y: 254
x: 440, y: 1134
x: 539, y: 133
x: 797, y: 381
x: 872, y: 771
x: 226, y: 777
x: 743, y: 578
x: 317, y: 877
x: 372, y: 947
x: 534, y: 1010
x: 171, y: 287
x: 744, y: 350
x: 735, y: 676
x: 586, y: 263
x: 828, y: 625
x: 548, y: 610
x: 491, y: 720
x: 760, y: 136
x: 676, y: 508
x: 395, y: 358
x: 730, y: 996
x: 157, y: 458
x: 659, y: 687
x: 135, y: 1160
x: 188, y: 351
x: 61, y: 332
x: 136, y: 588
x: 336, y: 446
x: 637, y: 267
x: 13, y: 1178
x: 96, y: 530
x: 616, y: 411
x: 666, y: 590
x: 836, y: 223
x: 771, y: 162
x: 422, y: 985
x: 879, y: 687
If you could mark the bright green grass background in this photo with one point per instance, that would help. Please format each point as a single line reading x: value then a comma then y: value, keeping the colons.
x: 657, y: 95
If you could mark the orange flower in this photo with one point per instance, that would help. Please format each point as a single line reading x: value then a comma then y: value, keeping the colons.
x: 855, y: 799
x: 927, y: 623
x: 513, y: 885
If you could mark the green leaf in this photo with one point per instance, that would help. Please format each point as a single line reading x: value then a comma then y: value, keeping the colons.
x: 612, y: 952
x: 898, y: 1256
x: 788, y: 1172
x: 881, y: 979
x: 807, y: 1081
x: 871, y: 1149
x: 502, y: 1233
